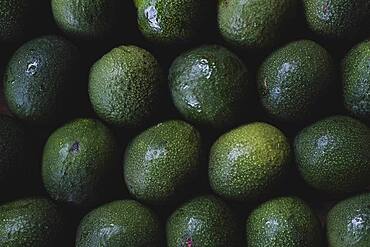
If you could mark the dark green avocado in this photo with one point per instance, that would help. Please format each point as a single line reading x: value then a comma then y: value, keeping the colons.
x: 333, y: 155
x: 283, y: 222
x: 348, y: 222
x: 162, y: 161
x: 79, y: 161
x: 294, y: 79
x: 209, y: 86
x: 204, y: 221
x: 30, y: 222
x: 38, y: 79
x: 120, y: 224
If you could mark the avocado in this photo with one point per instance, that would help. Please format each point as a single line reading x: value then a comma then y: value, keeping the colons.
x: 85, y: 19
x: 161, y: 161
x: 283, y: 221
x: 203, y: 221
x: 120, y: 223
x: 171, y: 22
x: 339, y: 19
x: 31, y: 222
x: 348, y: 222
x: 294, y: 79
x: 38, y: 79
x: 125, y: 86
x: 256, y: 24
x: 79, y: 160
x: 356, y: 80
x: 209, y: 86
x: 246, y: 163
x: 333, y: 155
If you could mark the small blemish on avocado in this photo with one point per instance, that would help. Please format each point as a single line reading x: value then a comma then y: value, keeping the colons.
x: 75, y: 148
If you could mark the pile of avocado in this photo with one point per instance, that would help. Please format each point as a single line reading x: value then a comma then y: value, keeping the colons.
x: 185, y: 123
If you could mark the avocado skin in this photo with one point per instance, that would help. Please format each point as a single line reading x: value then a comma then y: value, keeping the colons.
x: 294, y: 79
x: 348, y: 222
x: 161, y: 161
x: 356, y: 80
x: 255, y: 24
x: 333, y: 155
x: 125, y: 86
x: 38, y: 78
x: 204, y: 221
x: 78, y: 160
x: 246, y: 163
x: 209, y: 86
x: 85, y: 19
x: 284, y: 221
x: 30, y: 222
x: 339, y: 19
x: 123, y: 223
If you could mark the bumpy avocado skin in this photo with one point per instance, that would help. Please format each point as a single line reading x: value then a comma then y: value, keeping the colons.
x: 284, y: 221
x: 160, y: 162
x: 30, y: 222
x: 78, y: 159
x: 204, y: 221
x: 340, y: 19
x: 209, y: 86
x: 86, y: 19
x: 248, y: 162
x: 254, y: 24
x: 38, y: 79
x: 294, y: 79
x: 356, y: 80
x: 171, y: 22
x: 125, y: 86
x: 123, y: 223
x: 333, y: 155
x: 348, y: 222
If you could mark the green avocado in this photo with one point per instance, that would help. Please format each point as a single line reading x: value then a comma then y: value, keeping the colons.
x: 209, y: 86
x: 284, y: 221
x: 204, y: 221
x: 38, y: 79
x: 246, y: 163
x: 356, y: 80
x: 340, y: 19
x: 120, y: 223
x: 333, y: 155
x: 125, y: 86
x: 79, y: 160
x: 85, y: 19
x: 30, y: 222
x: 294, y: 79
x: 160, y: 162
x: 348, y: 222
x: 254, y: 24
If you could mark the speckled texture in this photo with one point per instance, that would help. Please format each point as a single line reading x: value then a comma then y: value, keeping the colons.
x: 77, y: 161
x: 248, y: 162
x: 170, y: 22
x: 356, y: 80
x: 254, y: 24
x: 38, y: 77
x: 333, y: 155
x: 348, y: 222
x: 205, y: 221
x: 161, y: 161
x: 85, y: 19
x: 209, y: 86
x: 293, y: 80
x: 30, y: 222
x: 120, y: 224
x: 343, y: 19
x: 283, y: 222
x: 125, y: 85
